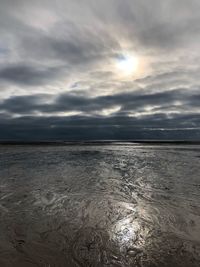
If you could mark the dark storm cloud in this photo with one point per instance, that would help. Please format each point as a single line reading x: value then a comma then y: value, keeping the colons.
x: 84, y: 128
x: 127, y: 102
x: 23, y: 104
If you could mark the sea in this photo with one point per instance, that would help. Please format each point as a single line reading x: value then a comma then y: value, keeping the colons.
x: 104, y: 205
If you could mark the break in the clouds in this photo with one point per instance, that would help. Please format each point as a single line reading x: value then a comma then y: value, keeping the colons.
x: 99, y: 69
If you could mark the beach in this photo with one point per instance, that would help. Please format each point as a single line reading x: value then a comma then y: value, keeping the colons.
x: 100, y: 205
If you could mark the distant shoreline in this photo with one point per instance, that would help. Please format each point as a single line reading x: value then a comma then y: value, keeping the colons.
x: 101, y: 142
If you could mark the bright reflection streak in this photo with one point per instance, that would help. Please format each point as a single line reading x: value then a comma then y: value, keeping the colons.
x: 130, y: 232
x: 126, y: 231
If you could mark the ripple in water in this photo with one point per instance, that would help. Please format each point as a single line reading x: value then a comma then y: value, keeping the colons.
x: 100, y: 206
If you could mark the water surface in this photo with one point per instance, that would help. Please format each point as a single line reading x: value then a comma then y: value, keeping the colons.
x: 114, y: 205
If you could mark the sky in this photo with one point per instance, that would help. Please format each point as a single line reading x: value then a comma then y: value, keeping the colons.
x: 99, y: 70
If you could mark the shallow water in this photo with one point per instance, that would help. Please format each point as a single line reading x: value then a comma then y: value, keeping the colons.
x: 114, y: 205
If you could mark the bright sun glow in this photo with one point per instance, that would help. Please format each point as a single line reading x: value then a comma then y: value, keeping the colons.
x: 128, y: 65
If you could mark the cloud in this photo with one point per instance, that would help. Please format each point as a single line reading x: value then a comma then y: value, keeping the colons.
x: 84, y: 128
x: 57, y: 58
x: 162, y: 102
x: 28, y: 75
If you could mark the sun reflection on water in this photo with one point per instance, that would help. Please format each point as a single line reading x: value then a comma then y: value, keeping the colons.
x: 125, y: 231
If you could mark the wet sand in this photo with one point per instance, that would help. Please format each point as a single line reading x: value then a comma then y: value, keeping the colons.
x: 110, y: 205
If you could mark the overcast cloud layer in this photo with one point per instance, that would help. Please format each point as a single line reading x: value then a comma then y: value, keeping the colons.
x: 58, y: 75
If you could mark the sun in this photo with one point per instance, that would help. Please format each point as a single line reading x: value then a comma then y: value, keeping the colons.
x: 127, y: 64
